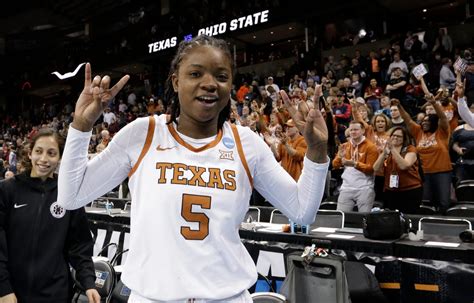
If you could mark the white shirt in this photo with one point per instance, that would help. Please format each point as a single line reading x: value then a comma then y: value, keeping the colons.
x: 273, y: 95
x: 464, y: 112
x: 109, y: 117
x: 122, y: 107
x: 447, y: 77
x: 401, y: 64
x: 131, y: 99
x: 163, y: 262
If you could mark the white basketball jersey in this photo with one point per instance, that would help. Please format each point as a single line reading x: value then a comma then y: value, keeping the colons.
x: 187, y: 207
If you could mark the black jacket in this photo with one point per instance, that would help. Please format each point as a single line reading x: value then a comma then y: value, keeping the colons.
x: 38, y: 241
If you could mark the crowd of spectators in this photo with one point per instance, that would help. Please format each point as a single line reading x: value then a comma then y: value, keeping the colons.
x: 392, y: 137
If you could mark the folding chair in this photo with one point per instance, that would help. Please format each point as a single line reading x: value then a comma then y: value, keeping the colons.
x: 104, y: 283
x: 461, y: 210
x: 465, y: 190
x: 267, y: 297
x: 329, y: 218
x: 469, y: 202
x: 277, y: 217
x: 112, y: 194
x: 98, y: 203
x: 328, y: 205
x: 426, y: 210
x: 105, y: 279
x: 103, y: 250
x: 252, y: 215
x: 443, y: 226
x: 427, y: 203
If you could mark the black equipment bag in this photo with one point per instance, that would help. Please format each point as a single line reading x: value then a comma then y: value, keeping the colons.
x: 383, y: 225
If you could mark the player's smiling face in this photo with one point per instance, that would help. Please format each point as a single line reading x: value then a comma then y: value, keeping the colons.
x: 203, y: 83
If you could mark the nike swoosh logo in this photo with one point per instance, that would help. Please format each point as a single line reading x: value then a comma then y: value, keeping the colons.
x: 19, y: 205
x: 159, y: 148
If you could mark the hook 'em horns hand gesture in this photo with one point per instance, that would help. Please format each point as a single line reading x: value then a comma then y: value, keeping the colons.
x: 94, y: 96
x: 311, y: 125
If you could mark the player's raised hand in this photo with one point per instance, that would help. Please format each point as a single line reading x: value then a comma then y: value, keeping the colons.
x: 310, y: 123
x: 94, y: 96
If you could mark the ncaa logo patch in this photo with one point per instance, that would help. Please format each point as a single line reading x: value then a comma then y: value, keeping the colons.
x: 57, y: 210
x: 228, y: 142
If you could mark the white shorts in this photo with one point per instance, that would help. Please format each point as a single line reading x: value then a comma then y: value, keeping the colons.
x: 243, y: 297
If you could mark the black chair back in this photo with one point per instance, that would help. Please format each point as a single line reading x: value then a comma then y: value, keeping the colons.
x: 105, y: 279
x: 426, y: 210
x: 465, y: 190
x: 461, y: 210
x: 329, y: 218
x: 328, y: 205
x: 443, y: 226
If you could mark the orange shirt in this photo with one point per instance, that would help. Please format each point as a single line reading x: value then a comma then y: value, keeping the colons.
x: 433, y: 149
x: 375, y: 65
x: 407, y: 179
x: 243, y: 90
x: 365, y: 155
x: 293, y: 164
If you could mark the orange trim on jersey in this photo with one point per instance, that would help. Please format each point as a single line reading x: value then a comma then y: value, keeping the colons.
x: 427, y: 287
x: 240, y: 150
x: 178, y: 139
x: 389, y: 285
x: 146, y: 145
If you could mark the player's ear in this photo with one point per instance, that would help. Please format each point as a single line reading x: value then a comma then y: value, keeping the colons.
x: 174, y: 81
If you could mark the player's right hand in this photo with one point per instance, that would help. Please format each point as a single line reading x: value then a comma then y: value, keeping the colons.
x: 93, y: 98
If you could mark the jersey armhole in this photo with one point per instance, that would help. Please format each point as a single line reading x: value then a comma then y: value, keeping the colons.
x: 240, y: 150
x: 146, y: 145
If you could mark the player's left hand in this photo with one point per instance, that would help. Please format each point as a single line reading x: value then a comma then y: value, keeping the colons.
x: 310, y: 122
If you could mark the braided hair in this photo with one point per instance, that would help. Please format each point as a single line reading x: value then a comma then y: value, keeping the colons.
x: 171, y: 97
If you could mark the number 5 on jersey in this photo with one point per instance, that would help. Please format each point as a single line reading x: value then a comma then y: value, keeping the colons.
x: 187, y: 213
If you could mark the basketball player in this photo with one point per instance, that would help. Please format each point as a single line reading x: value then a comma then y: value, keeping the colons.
x: 191, y: 176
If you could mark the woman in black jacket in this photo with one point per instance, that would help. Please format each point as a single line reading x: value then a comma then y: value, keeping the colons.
x: 38, y: 238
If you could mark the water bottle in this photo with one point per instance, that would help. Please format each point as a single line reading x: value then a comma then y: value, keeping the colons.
x: 305, y: 229
x: 108, y: 206
x: 292, y: 226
